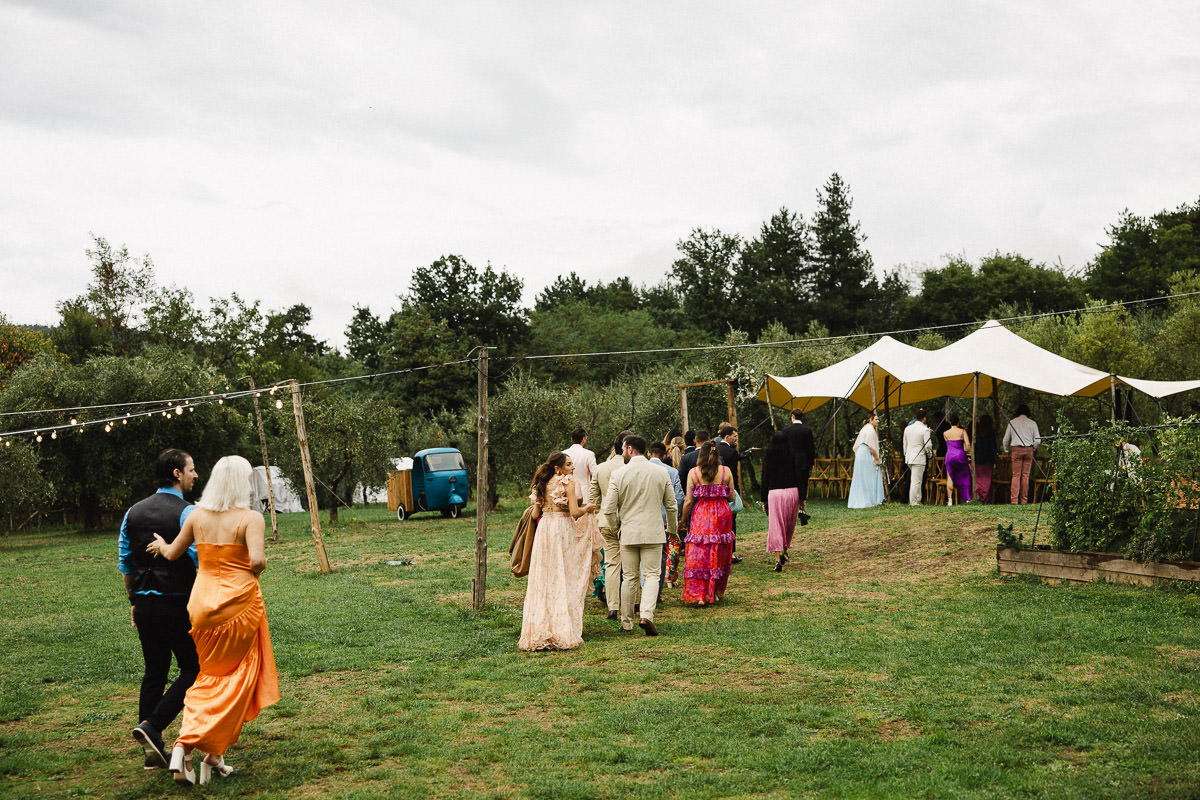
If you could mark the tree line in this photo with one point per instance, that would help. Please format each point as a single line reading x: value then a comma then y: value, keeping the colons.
x: 125, y: 338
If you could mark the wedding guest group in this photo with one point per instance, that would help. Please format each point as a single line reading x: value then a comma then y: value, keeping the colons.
x: 228, y: 620
x: 158, y: 598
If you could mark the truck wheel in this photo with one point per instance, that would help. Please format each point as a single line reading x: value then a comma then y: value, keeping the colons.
x: 455, y: 510
x: 401, y: 513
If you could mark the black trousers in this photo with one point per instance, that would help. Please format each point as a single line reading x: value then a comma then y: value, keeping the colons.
x: 164, y: 630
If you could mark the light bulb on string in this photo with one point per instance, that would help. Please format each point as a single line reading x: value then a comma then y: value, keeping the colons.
x: 279, y: 404
x: 178, y: 410
x: 74, y: 421
x: 53, y: 434
x: 108, y: 427
x: 37, y: 437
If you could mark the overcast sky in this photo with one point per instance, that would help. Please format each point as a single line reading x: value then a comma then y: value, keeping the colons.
x: 317, y: 153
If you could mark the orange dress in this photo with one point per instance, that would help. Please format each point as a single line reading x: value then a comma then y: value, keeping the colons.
x: 237, y: 666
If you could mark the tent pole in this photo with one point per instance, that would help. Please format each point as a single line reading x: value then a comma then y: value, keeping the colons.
x: 974, y: 427
x: 1112, y: 388
x: 883, y: 464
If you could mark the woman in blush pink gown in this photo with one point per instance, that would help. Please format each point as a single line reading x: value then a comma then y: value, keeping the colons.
x: 561, y: 564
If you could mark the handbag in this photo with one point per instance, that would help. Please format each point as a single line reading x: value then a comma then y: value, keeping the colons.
x: 735, y: 505
x: 520, y: 549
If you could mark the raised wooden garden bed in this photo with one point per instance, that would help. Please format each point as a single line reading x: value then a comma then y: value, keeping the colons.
x: 1055, y: 565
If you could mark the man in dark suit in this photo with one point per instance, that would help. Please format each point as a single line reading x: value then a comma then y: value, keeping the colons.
x: 727, y: 442
x: 804, y: 452
x: 688, y: 462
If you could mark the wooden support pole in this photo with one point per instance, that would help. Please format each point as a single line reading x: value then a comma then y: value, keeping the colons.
x: 262, y: 440
x: 1112, y: 388
x: 479, y: 584
x: 974, y: 427
x: 683, y: 407
x: 733, y: 421
x: 309, y: 484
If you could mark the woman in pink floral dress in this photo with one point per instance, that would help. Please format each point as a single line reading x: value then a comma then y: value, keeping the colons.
x: 561, y: 564
x: 709, y: 548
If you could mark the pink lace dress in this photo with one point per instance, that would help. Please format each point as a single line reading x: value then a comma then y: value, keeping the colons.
x: 560, y: 571
x: 709, y: 549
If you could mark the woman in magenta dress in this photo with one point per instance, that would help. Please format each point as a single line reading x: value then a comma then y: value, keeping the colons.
x: 958, y: 468
x: 709, y: 550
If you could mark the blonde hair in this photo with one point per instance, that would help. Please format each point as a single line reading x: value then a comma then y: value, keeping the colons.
x: 228, y: 486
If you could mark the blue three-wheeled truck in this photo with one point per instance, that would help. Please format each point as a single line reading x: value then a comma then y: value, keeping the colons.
x: 437, y: 481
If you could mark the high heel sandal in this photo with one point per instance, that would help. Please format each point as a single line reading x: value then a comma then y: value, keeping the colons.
x: 181, y: 766
x: 207, y: 770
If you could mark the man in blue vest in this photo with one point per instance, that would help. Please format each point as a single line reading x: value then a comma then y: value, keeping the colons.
x: 158, y: 596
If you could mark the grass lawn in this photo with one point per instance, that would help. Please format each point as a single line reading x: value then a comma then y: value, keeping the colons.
x: 888, y: 660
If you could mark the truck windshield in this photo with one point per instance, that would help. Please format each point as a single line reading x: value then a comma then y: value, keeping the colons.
x: 441, y: 462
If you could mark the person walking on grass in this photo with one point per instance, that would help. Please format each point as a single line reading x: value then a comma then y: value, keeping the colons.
x: 612, y: 542
x: 633, y: 505
x: 158, y: 597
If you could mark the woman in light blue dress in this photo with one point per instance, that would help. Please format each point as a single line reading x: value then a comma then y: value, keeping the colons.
x: 866, y: 483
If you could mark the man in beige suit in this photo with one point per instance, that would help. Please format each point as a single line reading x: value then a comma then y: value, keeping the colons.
x: 597, y: 488
x: 633, y: 504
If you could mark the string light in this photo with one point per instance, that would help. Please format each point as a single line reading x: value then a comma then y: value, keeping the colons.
x: 108, y: 427
x: 53, y: 434
x: 279, y: 404
x: 178, y: 410
x: 38, y: 437
x: 74, y: 421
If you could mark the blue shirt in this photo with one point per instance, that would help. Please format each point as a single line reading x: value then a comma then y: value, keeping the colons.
x: 676, y: 487
x: 125, y: 566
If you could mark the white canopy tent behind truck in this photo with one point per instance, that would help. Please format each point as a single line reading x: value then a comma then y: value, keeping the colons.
x: 286, y: 499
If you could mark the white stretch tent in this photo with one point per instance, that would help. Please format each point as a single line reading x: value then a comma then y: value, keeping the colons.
x: 286, y: 499
x: 885, y: 362
x: 906, y: 375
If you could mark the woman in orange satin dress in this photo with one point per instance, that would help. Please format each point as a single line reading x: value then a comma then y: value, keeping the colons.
x: 229, y: 621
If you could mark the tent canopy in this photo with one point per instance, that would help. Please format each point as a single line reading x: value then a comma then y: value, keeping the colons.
x: 849, y: 378
x: 911, y: 375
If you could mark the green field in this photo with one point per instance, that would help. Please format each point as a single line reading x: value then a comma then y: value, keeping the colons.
x: 889, y: 660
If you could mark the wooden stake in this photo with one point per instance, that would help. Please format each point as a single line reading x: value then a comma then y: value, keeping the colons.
x: 479, y: 585
x: 309, y: 484
x: 974, y: 427
x: 262, y: 440
x: 683, y: 406
x: 733, y: 421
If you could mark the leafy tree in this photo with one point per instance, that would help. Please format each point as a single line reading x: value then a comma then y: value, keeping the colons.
x: 365, y: 338
x: 595, y: 327
x: 23, y: 488
x: 1142, y: 254
x: 844, y: 284
x: 351, y: 439
x: 18, y: 345
x: 173, y: 318
x: 481, y: 307
x: 564, y: 290
x: 233, y: 334
x: 961, y: 292
x: 705, y: 268
x: 120, y: 285
x: 288, y: 349
x: 94, y: 470
x: 773, y: 278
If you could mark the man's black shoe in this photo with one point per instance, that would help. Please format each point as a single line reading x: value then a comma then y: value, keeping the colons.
x: 151, y: 741
x: 737, y: 559
x: 614, y: 615
x: 648, y: 627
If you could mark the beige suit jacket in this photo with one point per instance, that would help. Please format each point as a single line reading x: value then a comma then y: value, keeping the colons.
x: 633, y: 504
x: 599, y: 486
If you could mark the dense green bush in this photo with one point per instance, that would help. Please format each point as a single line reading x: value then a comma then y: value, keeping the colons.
x: 1109, y: 499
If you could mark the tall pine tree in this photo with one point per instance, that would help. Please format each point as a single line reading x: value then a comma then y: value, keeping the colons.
x: 773, y: 279
x: 844, y: 282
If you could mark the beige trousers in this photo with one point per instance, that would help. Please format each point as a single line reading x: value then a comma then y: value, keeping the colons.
x: 643, y: 560
x: 612, y: 568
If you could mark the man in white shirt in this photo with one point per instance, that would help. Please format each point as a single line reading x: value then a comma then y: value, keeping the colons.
x: 918, y: 447
x: 1021, y: 438
x: 583, y: 459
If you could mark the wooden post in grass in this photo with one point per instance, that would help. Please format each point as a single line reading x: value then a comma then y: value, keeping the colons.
x: 683, y: 406
x: 974, y: 427
x: 309, y: 485
x: 479, y: 585
x: 262, y: 440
